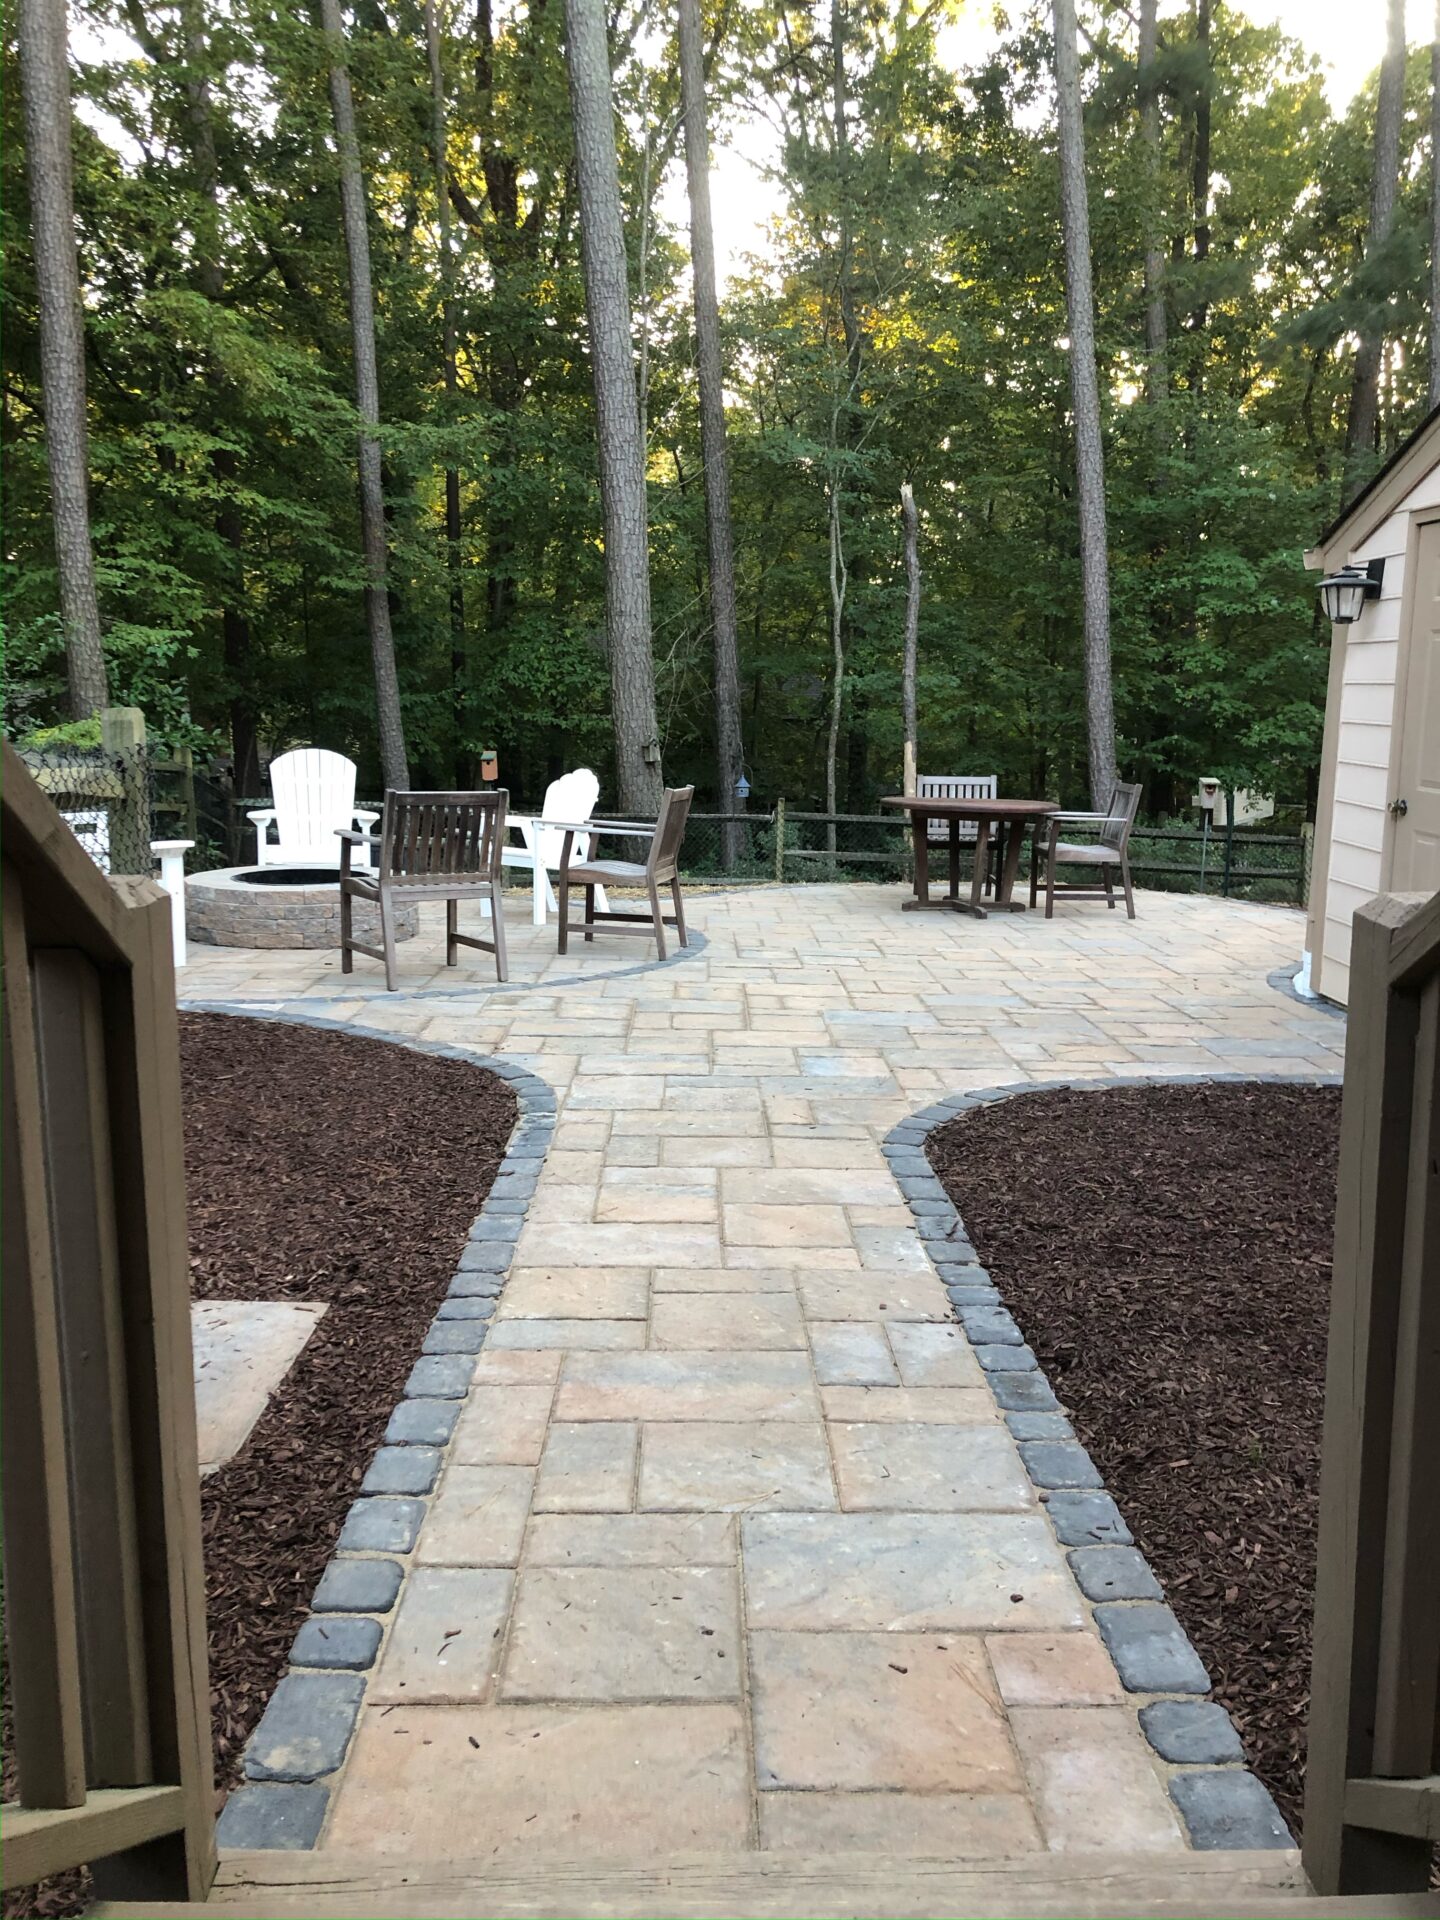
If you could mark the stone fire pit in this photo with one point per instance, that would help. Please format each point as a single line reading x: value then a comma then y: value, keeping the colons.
x: 280, y: 907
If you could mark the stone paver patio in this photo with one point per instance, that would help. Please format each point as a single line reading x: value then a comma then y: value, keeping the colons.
x: 733, y: 1548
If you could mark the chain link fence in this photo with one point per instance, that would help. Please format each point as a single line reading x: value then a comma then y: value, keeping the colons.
x: 106, y: 796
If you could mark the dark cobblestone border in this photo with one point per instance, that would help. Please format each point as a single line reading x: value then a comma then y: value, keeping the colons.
x: 1283, y: 981
x: 302, y: 1738
x: 1220, y: 1800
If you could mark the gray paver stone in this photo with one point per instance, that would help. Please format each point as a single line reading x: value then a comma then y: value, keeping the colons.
x: 421, y: 1423
x: 1021, y: 1392
x: 501, y: 1205
x: 1059, y: 1463
x: 1151, y: 1650
x: 440, y: 1376
x: 499, y: 1226
x: 357, y: 1586
x: 930, y: 1209
x: 991, y: 1326
x: 382, y: 1526
x: 963, y: 1273
x: 1039, y: 1426
x: 471, y: 1306
x: 474, y: 1286
x: 402, y: 1470
x: 1114, y: 1573
x: 485, y: 1256
x: 306, y: 1727
x: 454, y: 1336
x: 337, y: 1640
x: 976, y: 1296
x: 1229, y: 1808
x: 272, y: 1816
x: 1087, y: 1520
x: 1005, y: 1359
x: 1191, y: 1733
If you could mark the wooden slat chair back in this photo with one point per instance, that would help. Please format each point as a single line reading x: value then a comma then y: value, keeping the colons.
x: 661, y: 868
x: 1108, y: 853
x: 314, y: 795
x: 432, y: 846
x: 956, y: 786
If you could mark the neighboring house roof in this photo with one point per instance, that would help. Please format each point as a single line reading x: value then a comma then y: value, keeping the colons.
x: 1384, y: 491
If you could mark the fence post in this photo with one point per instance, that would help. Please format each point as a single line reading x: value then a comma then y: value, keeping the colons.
x: 1229, y: 841
x: 122, y: 734
x: 780, y: 840
x: 1307, y: 860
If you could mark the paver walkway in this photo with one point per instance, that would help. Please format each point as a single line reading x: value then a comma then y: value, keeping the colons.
x: 733, y: 1548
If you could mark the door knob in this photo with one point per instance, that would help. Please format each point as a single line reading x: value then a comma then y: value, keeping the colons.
x: 1399, y: 807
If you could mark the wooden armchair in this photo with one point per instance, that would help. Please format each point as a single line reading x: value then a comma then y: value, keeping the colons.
x: 432, y: 846
x: 1108, y: 852
x: 661, y: 869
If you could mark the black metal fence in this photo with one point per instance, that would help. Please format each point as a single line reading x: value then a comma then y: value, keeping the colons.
x: 106, y: 796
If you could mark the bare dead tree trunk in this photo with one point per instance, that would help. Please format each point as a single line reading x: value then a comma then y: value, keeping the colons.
x: 1360, y: 429
x: 45, y: 83
x: 729, y: 745
x: 1434, y: 398
x: 617, y: 411
x: 912, y: 628
x: 451, y: 375
x: 1085, y: 398
x: 838, y: 582
x: 393, y: 758
x: 1156, y: 340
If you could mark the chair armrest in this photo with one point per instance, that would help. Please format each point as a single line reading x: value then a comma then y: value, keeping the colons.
x: 351, y: 838
x: 262, y: 817
x: 366, y: 815
x: 1077, y: 816
x: 646, y: 827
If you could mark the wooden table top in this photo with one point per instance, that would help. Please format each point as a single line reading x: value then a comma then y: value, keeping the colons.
x: 999, y: 809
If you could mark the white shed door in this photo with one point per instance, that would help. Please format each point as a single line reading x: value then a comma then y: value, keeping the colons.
x: 1417, y: 830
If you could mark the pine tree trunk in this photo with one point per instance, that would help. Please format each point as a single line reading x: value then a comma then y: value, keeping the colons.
x: 617, y: 411
x: 729, y: 746
x: 1085, y: 398
x: 393, y: 759
x: 45, y: 82
x: 1434, y: 399
x: 1361, y: 427
x: 838, y: 582
x: 912, y: 628
x: 1200, y: 174
x: 1156, y: 332
x: 453, y: 562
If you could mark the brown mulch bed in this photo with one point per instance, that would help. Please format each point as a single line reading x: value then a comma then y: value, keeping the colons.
x: 320, y: 1166
x: 1166, y: 1251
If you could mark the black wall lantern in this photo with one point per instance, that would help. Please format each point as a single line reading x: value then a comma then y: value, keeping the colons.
x: 1343, y: 594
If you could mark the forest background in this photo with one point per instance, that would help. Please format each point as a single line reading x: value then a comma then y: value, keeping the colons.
x: 904, y: 323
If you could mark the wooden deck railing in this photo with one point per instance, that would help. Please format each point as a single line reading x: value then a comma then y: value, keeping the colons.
x: 104, y: 1581
x: 1372, y: 1802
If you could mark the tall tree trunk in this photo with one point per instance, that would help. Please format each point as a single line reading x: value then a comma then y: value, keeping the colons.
x: 1156, y: 340
x: 729, y: 746
x: 838, y: 582
x: 617, y: 410
x: 1435, y: 213
x: 839, y: 104
x: 45, y: 81
x: 447, y: 349
x: 1085, y: 397
x: 393, y: 759
x: 1364, y: 417
x: 1200, y: 173
x: 912, y: 628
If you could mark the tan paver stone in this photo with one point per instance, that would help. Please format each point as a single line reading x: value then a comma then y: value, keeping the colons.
x: 896, y: 1247
x: 502, y: 1426
x: 834, y: 1260
x: 1095, y: 1787
x: 760, y: 1279
x: 532, y: 1781
x: 687, y: 1179
x: 687, y: 1386
x: 932, y: 1406
x: 685, y: 1151
x: 563, y: 1205
x: 1053, y: 1670
x: 807, y: 1225
x: 901, y: 1571
x: 569, y: 1335
x: 826, y: 1154
x: 930, y: 1469
x: 951, y: 1826
x: 632, y: 1540
x: 852, y: 1353
x: 665, y: 1203
x: 872, y: 1296
x: 914, y: 1712
x: 623, y: 1633
x: 800, y: 1186
x: 710, y: 1466
x: 575, y: 1293
x: 610, y: 1243
x: 934, y: 1354
x: 478, y: 1517
x: 445, y: 1644
x: 497, y: 1368
x: 696, y: 1321
x: 588, y: 1468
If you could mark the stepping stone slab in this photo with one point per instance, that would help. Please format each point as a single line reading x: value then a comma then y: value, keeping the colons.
x: 337, y: 1640
x: 1229, y: 1808
x: 243, y: 1350
x: 357, y: 1586
x: 1150, y: 1649
x: 1114, y: 1573
x: 306, y: 1727
x: 1191, y: 1733
x: 273, y: 1816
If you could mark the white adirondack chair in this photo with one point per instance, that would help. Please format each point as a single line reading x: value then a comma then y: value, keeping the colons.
x: 956, y: 786
x: 314, y: 794
x: 569, y: 800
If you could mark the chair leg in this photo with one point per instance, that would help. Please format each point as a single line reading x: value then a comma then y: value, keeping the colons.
x: 387, y: 941
x: 1125, y: 883
x: 679, y: 910
x: 563, y: 909
x: 539, y: 885
x: 497, y: 921
x: 452, y: 927
x: 590, y: 913
x: 1109, y: 885
x: 1034, y: 869
x: 347, y: 952
x: 658, y: 918
x: 1049, y: 885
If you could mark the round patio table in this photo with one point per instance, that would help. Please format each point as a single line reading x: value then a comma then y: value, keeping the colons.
x: 1007, y: 818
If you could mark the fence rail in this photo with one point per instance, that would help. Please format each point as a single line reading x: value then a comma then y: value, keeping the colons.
x: 1372, y: 1800
x: 104, y: 1589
